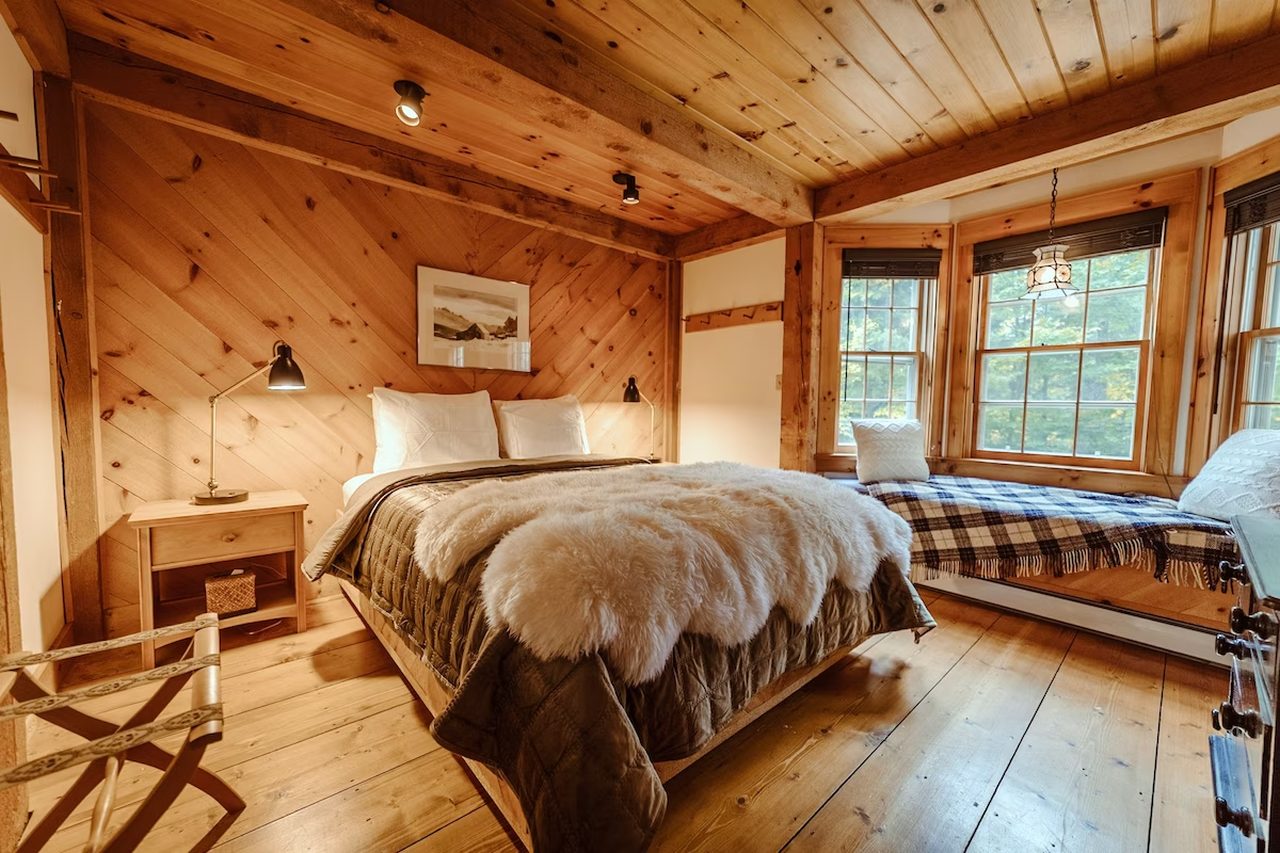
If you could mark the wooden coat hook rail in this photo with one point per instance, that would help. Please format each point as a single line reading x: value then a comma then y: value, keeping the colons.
x: 5, y: 115
x: 765, y: 312
x: 26, y: 164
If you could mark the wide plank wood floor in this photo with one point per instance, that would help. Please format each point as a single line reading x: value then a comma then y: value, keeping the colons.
x: 995, y: 732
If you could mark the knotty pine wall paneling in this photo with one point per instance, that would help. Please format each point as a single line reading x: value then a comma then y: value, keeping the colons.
x: 205, y: 252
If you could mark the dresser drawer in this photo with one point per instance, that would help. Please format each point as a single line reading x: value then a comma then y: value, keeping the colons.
x: 1235, y: 800
x: 221, y: 539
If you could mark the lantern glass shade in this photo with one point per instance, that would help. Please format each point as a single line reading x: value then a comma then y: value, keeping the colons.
x: 1050, y: 275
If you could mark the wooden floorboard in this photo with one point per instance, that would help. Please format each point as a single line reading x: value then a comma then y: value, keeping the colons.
x: 1083, y: 774
x: 947, y: 757
x: 994, y: 732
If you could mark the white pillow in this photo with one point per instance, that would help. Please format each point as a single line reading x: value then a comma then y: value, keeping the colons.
x: 1242, y: 476
x: 431, y: 429
x: 531, y: 428
x: 890, y: 450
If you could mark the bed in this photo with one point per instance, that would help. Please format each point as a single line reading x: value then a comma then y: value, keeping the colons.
x: 572, y: 754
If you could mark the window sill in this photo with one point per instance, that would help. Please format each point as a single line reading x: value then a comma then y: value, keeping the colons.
x: 1064, y: 476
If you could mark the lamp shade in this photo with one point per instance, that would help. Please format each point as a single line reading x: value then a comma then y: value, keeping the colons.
x: 285, y: 375
x: 1050, y: 275
x: 631, y: 394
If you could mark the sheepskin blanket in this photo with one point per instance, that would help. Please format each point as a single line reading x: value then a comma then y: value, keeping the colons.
x: 625, y: 560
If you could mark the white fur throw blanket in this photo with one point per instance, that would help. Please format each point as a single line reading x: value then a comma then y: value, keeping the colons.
x: 625, y: 560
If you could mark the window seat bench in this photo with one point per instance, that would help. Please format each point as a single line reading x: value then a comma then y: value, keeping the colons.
x: 1003, y: 531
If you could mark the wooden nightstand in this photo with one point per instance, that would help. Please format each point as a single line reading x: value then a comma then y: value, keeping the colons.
x: 206, y: 540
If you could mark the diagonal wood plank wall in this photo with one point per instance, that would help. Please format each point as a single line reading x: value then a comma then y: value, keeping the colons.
x: 205, y: 252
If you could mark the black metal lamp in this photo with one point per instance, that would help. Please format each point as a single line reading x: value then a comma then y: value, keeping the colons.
x: 630, y: 193
x: 283, y: 374
x: 409, y: 107
x: 631, y: 394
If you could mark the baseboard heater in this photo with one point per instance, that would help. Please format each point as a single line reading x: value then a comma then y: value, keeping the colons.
x: 1162, y: 635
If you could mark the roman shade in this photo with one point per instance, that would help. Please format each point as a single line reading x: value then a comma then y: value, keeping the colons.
x: 891, y: 263
x: 1131, y: 231
x: 1252, y: 205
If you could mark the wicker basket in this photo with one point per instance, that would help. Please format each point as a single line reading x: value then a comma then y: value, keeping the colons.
x: 227, y: 595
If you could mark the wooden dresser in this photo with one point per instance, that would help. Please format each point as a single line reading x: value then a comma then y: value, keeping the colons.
x: 1243, y: 754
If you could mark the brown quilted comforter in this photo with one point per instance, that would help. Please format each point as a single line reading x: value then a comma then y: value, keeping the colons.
x: 574, y: 743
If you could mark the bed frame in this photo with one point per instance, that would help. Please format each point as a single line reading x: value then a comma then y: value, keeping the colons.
x: 435, y: 696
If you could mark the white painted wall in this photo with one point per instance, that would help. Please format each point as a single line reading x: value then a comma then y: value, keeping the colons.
x: 27, y: 354
x: 1248, y: 131
x: 730, y: 400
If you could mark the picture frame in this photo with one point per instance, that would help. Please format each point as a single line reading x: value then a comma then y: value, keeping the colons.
x: 470, y: 321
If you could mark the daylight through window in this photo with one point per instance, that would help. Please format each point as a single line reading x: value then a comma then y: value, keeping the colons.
x: 1065, y: 376
x: 882, y: 307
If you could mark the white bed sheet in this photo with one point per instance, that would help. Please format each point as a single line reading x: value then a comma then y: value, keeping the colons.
x: 349, y: 487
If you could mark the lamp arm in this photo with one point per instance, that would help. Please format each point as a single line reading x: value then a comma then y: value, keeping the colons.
x: 213, y: 419
x: 237, y: 386
x: 653, y: 424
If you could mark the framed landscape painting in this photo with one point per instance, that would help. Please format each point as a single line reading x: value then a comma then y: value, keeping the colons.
x: 469, y: 321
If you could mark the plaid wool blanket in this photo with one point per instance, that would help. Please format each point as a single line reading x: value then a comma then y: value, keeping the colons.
x: 991, y: 529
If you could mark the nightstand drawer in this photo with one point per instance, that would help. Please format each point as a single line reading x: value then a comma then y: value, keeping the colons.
x: 220, y: 539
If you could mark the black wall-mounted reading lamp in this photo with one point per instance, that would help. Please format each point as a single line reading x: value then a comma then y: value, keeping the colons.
x: 631, y: 394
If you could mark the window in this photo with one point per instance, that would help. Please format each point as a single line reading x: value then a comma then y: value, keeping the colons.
x: 881, y: 359
x: 1253, y: 224
x: 1065, y: 377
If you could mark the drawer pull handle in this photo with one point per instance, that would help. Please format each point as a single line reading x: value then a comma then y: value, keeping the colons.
x: 229, y: 537
x: 1227, y: 718
x: 1224, y: 645
x: 1229, y: 571
x: 1263, y: 625
x: 1241, y: 818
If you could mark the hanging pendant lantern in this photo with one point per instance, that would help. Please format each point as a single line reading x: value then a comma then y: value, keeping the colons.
x: 1050, y: 275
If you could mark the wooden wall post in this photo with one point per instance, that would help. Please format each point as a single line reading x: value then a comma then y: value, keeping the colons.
x: 62, y: 142
x: 800, y: 347
x: 675, y: 341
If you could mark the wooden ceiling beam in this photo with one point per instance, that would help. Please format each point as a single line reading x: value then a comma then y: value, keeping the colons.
x: 41, y: 35
x: 510, y: 64
x: 744, y: 230
x: 1194, y: 97
x: 108, y: 75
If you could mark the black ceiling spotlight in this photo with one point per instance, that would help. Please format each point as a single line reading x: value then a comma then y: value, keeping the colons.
x: 630, y: 194
x: 409, y: 109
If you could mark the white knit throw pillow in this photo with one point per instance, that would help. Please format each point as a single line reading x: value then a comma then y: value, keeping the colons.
x: 890, y: 450
x: 1242, y: 476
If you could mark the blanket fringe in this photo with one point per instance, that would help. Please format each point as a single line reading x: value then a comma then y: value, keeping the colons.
x: 1129, y: 554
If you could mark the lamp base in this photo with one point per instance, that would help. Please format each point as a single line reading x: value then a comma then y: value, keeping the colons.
x: 220, y: 496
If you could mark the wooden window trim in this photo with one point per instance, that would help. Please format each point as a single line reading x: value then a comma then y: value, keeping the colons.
x: 933, y: 330
x: 1144, y: 354
x: 1159, y: 395
x: 1217, y: 358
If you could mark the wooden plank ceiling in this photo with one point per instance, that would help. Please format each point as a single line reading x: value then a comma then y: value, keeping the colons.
x: 804, y: 92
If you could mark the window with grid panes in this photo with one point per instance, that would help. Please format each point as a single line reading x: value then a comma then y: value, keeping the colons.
x: 883, y: 294
x: 1065, y: 377
x: 1253, y: 225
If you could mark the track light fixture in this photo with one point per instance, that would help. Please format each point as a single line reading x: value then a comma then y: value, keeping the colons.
x: 409, y: 109
x: 630, y: 193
